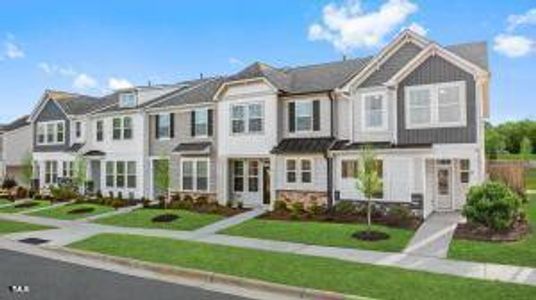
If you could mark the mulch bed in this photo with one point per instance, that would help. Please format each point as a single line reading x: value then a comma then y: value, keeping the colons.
x: 370, y: 236
x: 477, y: 232
x: 412, y: 223
x: 165, y: 218
x: 26, y: 205
x: 81, y: 210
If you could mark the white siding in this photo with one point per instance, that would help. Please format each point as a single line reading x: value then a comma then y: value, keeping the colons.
x: 16, y: 145
x: 359, y: 133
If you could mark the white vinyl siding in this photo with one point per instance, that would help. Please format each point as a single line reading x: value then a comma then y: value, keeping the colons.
x: 436, y: 105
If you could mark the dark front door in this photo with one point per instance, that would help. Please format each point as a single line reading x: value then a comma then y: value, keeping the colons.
x: 266, y: 183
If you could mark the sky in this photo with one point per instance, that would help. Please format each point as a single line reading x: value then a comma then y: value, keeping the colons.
x: 94, y: 47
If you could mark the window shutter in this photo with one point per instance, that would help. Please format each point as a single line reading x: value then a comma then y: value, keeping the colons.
x: 171, y: 125
x: 210, y: 115
x: 156, y: 125
x: 192, y: 122
x: 291, y: 116
x: 316, y: 115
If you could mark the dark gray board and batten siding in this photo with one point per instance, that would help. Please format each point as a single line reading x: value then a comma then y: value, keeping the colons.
x: 436, y: 70
x: 51, y: 112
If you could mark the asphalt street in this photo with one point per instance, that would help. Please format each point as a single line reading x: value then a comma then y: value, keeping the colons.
x: 43, y: 279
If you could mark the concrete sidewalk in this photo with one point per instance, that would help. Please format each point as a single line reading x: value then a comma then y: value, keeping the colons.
x: 228, y: 222
x: 74, y: 231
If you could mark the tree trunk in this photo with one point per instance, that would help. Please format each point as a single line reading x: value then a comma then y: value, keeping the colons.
x: 369, y: 208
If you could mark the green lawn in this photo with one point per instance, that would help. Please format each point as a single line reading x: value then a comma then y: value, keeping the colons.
x: 305, y: 271
x: 4, y: 201
x: 514, y: 156
x: 142, y: 218
x: 317, y: 233
x: 62, y: 212
x: 12, y: 227
x: 13, y: 209
x: 522, y: 253
x: 530, y: 179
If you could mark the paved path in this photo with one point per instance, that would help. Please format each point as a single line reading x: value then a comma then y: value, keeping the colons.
x: 434, y: 235
x: 229, y: 222
x: 72, y: 231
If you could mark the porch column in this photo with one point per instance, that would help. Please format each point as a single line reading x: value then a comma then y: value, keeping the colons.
x: 273, y: 182
x: 222, y: 172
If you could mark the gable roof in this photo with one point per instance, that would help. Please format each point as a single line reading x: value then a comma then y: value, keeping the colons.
x: 202, y: 91
x: 16, y: 124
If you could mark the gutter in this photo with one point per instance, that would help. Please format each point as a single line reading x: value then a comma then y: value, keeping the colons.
x: 329, y: 159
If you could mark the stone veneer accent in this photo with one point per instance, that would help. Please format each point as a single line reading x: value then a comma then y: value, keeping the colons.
x: 306, y: 197
x: 211, y: 197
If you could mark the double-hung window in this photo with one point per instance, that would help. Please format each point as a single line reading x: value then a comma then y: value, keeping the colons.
x: 194, y: 174
x: 110, y: 174
x: 100, y: 131
x: 349, y: 168
x: 201, y: 122
x: 68, y: 169
x: 116, y: 130
x: 253, y: 176
x: 306, y: 170
x: 436, y: 105
x: 127, y: 100
x: 50, y: 133
x: 121, y: 174
x: 247, y: 118
x: 238, y: 175
x: 465, y: 170
x: 51, y: 172
x: 164, y: 126
x: 78, y: 129
x: 304, y: 115
x: 299, y: 170
x: 127, y: 128
x: 122, y: 128
x: 374, y: 111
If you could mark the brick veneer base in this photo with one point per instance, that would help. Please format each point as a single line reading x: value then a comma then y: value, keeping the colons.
x: 211, y: 197
x: 306, y: 197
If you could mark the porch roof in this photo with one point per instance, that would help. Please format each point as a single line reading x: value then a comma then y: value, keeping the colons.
x: 344, y: 145
x: 303, y: 146
x: 199, y: 147
x: 94, y: 153
x: 76, y: 147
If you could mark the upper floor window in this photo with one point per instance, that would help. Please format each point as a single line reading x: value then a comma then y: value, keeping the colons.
x: 164, y: 125
x: 100, y: 131
x: 304, y: 115
x: 127, y: 100
x: 247, y: 118
x: 78, y: 129
x: 49, y: 133
x: 122, y: 128
x: 200, y: 122
x: 436, y: 105
x: 374, y: 111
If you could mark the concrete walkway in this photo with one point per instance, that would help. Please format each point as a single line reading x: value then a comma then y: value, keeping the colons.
x: 71, y: 231
x: 434, y: 235
x: 229, y: 222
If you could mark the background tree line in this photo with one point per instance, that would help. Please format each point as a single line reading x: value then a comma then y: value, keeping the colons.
x: 513, y: 137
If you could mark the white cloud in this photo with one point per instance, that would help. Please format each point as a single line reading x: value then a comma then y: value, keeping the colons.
x: 513, y: 45
x: 52, y: 69
x: 236, y: 61
x: 13, y: 51
x: 349, y: 27
x: 528, y: 18
x: 84, y: 82
x: 418, y: 28
x: 118, y: 83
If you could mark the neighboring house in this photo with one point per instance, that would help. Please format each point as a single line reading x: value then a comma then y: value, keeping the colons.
x: 266, y: 134
x: 16, y: 148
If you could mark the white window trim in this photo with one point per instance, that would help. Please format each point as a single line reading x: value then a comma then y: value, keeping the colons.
x: 125, y: 175
x: 384, y: 125
x: 434, y: 105
x: 97, y: 130
x: 55, y: 133
x: 121, y: 103
x: 196, y: 111
x: 311, y: 124
x: 81, y: 137
x: 122, y: 128
x: 246, y: 118
x: 298, y: 171
x: 168, y: 137
x: 194, y: 174
x: 245, y: 183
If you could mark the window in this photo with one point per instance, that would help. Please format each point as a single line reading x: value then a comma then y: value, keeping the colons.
x: 291, y: 170
x: 127, y: 100
x: 306, y: 175
x: 436, y: 105
x: 349, y: 168
x: 121, y: 174
x: 201, y: 122
x: 100, y: 131
x: 110, y: 167
x: 51, y: 172
x: 247, y: 118
x: 465, y: 170
x: 304, y: 115
x: 68, y: 169
x: 122, y: 128
x: 164, y: 126
x: 238, y: 176
x: 116, y: 123
x: 49, y: 133
x: 195, y: 174
x: 78, y: 129
x: 131, y: 174
x: 253, y: 176
x: 127, y: 128
x: 374, y: 111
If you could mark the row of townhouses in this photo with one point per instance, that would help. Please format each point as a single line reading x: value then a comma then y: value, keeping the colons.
x: 268, y: 133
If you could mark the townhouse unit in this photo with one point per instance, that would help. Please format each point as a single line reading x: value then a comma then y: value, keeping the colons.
x: 16, y: 149
x: 266, y: 134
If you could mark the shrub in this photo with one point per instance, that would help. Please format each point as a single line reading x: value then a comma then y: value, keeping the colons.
x: 63, y: 193
x: 399, y: 215
x: 118, y: 203
x: 229, y: 203
x: 9, y: 183
x: 99, y: 194
x: 186, y: 205
x: 110, y: 194
x: 493, y: 205
x: 316, y: 209
x: 201, y: 200
x: 345, y: 207
x: 119, y: 195
x: 296, y: 209
x: 280, y: 205
x: 240, y: 204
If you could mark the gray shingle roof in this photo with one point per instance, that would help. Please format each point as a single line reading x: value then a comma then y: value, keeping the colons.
x: 18, y: 123
x: 202, y: 91
x: 476, y: 53
x: 79, y: 104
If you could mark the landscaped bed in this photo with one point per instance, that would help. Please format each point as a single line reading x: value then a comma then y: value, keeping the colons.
x: 73, y: 211
x: 321, y: 233
x: 522, y: 253
x: 305, y: 271
x: 12, y: 227
x: 28, y: 205
x: 145, y: 218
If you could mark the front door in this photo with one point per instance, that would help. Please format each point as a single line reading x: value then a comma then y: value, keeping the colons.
x: 444, y: 187
x: 95, y: 166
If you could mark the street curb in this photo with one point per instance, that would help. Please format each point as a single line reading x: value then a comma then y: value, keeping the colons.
x: 206, y: 277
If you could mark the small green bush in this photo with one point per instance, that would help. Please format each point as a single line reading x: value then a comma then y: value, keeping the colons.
x: 280, y: 205
x: 399, y: 215
x: 315, y: 209
x: 118, y: 203
x: 493, y: 205
x: 345, y: 207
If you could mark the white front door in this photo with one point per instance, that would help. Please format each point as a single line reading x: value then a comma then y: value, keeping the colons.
x: 444, y: 186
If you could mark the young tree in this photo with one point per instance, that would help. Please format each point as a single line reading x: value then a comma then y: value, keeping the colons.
x: 80, y: 173
x: 525, y: 148
x: 368, y: 181
x: 27, y: 169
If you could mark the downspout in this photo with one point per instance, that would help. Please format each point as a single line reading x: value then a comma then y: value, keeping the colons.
x: 329, y: 160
